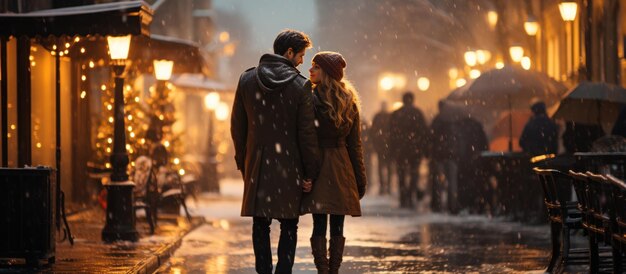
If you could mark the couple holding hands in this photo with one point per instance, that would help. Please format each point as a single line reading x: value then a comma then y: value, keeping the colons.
x: 298, y: 146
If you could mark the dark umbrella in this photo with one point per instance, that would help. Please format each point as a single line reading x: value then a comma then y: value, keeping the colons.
x: 592, y: 103
x: 509, y: 88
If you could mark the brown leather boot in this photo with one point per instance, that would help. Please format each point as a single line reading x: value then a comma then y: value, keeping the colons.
x: 337, y: 244
x: 320, y: 255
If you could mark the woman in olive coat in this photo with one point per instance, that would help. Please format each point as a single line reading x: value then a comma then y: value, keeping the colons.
x: 341, y: 182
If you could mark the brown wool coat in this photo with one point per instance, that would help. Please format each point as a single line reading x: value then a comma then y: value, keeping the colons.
x: 273, y: 130
x: 341, y: 181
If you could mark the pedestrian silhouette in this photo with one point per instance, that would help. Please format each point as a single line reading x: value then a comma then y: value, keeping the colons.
x: 379, y: 135
x: 407, y: 145
x: 540, y: 134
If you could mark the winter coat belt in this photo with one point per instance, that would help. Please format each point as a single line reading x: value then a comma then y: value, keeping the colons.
x: 331, y: 143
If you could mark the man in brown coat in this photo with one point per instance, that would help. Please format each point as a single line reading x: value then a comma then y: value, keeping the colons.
x: 276, y: 149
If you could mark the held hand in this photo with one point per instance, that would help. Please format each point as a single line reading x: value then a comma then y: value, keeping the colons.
x: 307, y: 185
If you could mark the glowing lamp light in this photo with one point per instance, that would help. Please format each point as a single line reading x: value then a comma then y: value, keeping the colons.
x: 483, y: 56
x: 516, y: 52
x: 224, y: 36
x: 118, y: 46
x: 423, y: 83
x: 386, y: 83
x: 531, y: 26
x: 499, y: 65
x: 525, y: 62
x: 470, y: 58
x: 568, y: 10
x: 474, y: 74
x: 222, y: 111
x: 389, y: 81
x: 492, y: 18
x: 453, y: 73
x: 163, y: 69
x: 211, y: 100
x: 396, y: 105
x: 460, y: 82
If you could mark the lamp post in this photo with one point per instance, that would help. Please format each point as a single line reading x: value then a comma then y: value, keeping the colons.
x: 211, y: 103
x: 120, y: 216
x: 568, y: 10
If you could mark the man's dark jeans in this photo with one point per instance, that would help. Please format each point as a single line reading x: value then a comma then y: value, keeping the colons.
x: 286, y: 245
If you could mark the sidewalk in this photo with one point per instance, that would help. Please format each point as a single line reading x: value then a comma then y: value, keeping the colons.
x: 90, y: 255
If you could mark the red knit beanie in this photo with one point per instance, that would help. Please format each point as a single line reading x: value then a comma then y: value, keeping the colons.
x: 332, y: 63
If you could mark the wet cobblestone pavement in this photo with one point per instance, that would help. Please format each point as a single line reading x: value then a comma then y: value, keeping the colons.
x: 90, y: 255
x: 385, y: 240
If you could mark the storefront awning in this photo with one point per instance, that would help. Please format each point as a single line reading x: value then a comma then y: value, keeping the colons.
x: 119, y: 18
x: 197, y: 83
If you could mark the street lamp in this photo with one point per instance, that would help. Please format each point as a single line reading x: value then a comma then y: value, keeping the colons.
x: 516, y: 52
x: 222, y: 111
x: 163, y: 69
x: 470, y: 58
x: 460, y: 82
x: 492, y: 18
x: 120, y: 216
x: 483, y: 56
x: 423, y: 83
x: 568, y: 11
x: 473, y: 74
x: 162, y: 73
x: 525, y: 62
x: 387, y: 83
x: 531, y: 26
x: 211, y: 103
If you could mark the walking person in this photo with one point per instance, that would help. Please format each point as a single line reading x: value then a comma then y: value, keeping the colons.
x: 276, y: 150
x: 407, y: 144
x: 342, y: 181
x: 379, y: 134
x: 540, y: 134
x: 368, y: 147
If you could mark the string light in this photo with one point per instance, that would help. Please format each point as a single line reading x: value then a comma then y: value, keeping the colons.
x: 83, y: 94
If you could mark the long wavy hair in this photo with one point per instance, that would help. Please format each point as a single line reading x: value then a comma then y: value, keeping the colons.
x: 339, y: 97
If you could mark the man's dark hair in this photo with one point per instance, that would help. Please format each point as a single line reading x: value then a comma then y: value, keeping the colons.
x: 408, y: 97
x: 293, y: 39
